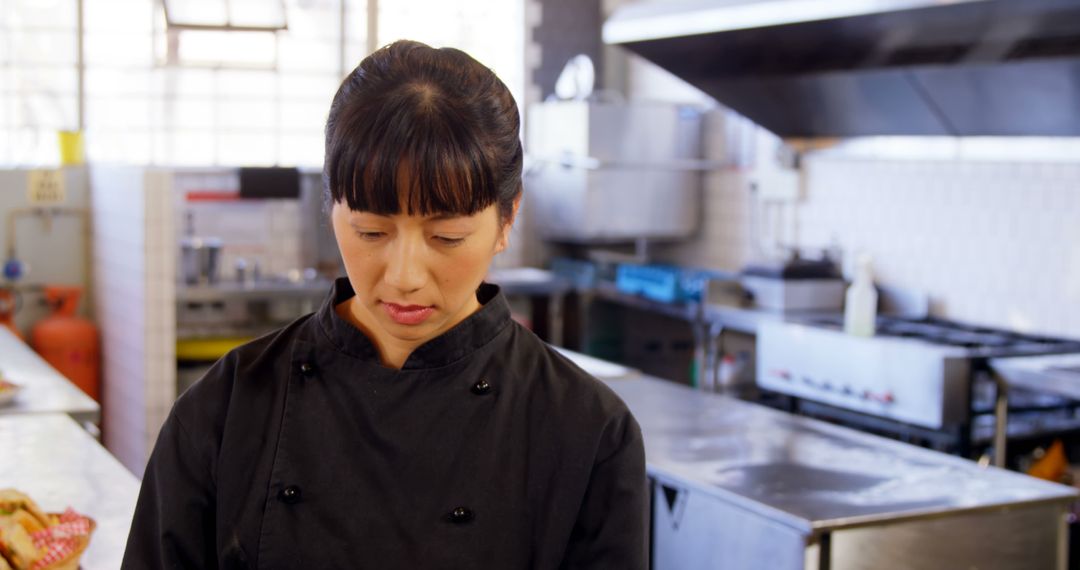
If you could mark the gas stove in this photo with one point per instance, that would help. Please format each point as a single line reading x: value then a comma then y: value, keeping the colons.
x: 977, y: 341
x: 917, y: 372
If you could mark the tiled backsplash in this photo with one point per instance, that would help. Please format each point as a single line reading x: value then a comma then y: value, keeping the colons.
x: 993, y: 243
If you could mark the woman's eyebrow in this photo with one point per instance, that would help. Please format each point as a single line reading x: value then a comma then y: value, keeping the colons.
x: 359, y: 223
x: 445, y: 216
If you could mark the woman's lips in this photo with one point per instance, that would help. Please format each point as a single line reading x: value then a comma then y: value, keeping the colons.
x: 408, y: 314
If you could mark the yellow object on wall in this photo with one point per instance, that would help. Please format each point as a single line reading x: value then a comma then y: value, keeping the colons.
x: 72, y: 149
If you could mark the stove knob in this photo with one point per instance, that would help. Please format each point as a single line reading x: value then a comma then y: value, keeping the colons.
x: 784, y: 374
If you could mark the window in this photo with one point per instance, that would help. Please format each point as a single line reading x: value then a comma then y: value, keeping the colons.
x: 240, y: 97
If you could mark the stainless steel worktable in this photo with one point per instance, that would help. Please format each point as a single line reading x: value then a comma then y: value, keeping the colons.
x: 44, y: 389
x: 534, y: 282
x: 50, y: 458
x: 779, y: 489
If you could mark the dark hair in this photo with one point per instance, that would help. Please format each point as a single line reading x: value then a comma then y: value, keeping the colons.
x: 438, y: 113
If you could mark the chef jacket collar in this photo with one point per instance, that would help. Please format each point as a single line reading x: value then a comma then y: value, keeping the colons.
x: 467, y: 336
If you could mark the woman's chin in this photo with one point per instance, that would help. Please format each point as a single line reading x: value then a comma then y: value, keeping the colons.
x: 411, y: 332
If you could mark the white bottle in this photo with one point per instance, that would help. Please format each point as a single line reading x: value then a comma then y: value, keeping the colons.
x: 860, y: 304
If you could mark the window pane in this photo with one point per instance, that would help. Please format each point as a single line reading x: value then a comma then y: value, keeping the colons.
x: 265, y: 103
x: 118, y: 49
x: 302, y: 116
x: 311, y: 55
x: 254, y: 149
x: 236, y: 83
x: 296, y: 149
x: 106, y: 145
x: 43, y: 47
x: 185, y: 148
x: 117, y: 112
x: 196, y: 12
x: 48, y: 14
x: 266, y: 13
x: 184, y: 82
x: 311, y: 86
x: 242, y: 114
x: 116, y: 82
x: 492, y: 31
x: 60, y: 81
x: 185, y: 114
x: 227, y: 48
x: 128, y: 16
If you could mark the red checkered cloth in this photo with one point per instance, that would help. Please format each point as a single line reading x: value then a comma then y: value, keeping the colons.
x: 60, y: 540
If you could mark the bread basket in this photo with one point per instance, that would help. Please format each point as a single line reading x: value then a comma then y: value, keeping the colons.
x: 70, y: 560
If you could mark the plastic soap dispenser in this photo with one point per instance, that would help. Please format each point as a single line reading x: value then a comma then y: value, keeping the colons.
x: 860, y: 304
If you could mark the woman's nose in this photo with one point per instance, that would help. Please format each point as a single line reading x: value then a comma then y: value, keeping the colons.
x: 405, y: 268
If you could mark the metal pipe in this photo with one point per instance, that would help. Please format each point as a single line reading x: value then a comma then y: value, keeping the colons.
x: 45, y: 213
x: 227, y: 28
x: 80, y: 66
x: 1001, y: 418
x: 372, y: 26
x: 342, y: 40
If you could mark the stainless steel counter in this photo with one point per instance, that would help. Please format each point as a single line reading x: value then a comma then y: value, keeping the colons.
x: 601, y: 369
x: 44, y: 389
x: 754, y: 472
x: 49, y: 457
x: 529, y: 281
x: 533, y: 282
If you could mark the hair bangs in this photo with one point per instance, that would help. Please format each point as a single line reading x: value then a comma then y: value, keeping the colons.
x: 412, y: 155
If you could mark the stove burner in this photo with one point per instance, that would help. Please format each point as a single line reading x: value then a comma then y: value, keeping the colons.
x: 984, y: 341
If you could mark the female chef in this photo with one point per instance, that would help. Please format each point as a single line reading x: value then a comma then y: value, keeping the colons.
x: 409, y: 423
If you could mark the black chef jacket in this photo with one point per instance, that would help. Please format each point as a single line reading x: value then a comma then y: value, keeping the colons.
x: 486, y: 450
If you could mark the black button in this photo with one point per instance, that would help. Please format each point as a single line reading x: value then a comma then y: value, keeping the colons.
x: 307, y: 369
x: 290, y: 495
x: 480, y: 388
x: 461, y: 515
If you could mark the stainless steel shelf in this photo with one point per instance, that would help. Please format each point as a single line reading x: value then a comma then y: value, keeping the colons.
x: 261, y: 290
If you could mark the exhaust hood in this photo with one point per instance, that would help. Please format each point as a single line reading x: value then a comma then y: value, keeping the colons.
x: 845, y: 68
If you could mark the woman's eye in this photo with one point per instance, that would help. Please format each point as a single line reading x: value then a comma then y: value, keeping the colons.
x: 370, y: 236
x: 449, y: 241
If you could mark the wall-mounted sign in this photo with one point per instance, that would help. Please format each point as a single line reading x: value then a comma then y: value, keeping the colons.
x: 45, y: 187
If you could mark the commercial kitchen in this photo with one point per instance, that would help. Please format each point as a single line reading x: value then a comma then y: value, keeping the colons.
x: 827, y: 253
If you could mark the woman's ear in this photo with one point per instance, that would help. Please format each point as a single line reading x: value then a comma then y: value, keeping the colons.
x: 504, y: 231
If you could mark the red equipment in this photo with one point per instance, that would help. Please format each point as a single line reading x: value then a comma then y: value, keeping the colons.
x: 69, y: 342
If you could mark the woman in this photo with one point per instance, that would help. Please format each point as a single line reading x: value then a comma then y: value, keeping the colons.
x: 409, y: 423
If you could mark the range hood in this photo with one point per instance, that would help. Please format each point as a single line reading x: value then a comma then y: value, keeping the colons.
x: 844, y: 68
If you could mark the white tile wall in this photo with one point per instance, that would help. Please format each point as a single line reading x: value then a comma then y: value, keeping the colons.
x: 994, y: 243
x: 133, y: 243
x: 263, y: 231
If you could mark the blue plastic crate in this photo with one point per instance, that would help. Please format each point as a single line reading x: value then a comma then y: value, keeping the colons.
x: 663, y: 283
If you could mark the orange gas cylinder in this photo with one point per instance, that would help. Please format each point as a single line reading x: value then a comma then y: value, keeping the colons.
x: 69, y: 342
